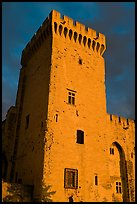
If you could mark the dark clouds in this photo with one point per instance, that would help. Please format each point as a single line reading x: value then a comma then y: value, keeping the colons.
x: 116, y: 20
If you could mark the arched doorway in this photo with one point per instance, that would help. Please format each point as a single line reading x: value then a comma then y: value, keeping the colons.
x: 123, y: 172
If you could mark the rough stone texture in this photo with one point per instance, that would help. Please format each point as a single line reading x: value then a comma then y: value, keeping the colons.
x: 52, y: 63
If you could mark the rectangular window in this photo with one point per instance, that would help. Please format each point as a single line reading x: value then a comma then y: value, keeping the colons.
x: 71, y: 97
x: 70, y: 178
x: 112, y: 151
x: 118, y: 187
x: 80, y: 137
x: 27, y: 122
x: 96, y: 180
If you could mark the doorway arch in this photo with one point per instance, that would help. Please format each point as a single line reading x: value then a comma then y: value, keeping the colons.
x: 123, y: 172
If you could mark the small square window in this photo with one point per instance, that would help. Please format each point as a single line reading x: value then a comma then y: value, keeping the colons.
x: 71, y: 178
x: 80, y: 137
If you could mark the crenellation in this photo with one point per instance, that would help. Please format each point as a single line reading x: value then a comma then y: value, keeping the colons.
x: 91, y: 32
x: 125, y: 122
x: 60, y: 24
x: 68, y: 21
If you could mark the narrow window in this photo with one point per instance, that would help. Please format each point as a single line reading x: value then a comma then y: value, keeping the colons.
x: 119, y: 119
x: 71, y: 97
x: 96, y: 180
x: 110, y: 117
x: 127, y: 122
x: 70, y: 178
x: 80, y: 137
x: 56, y: 117
x: 80, y: 61
x: 112, y: 151
x: 27, y: 122
x: 118, y: 187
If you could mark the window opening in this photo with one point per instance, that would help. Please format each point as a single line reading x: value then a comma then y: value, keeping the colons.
x: 127, y: 122
x: 119, y: 119
x: 118, y: 187
x: 71, y: 97
x: 112, y: 151
x: 96, y: 180
x: 80, y: 137
x: 56, y: 117
x: 27, y: 122
x: 110, y: 117
x: 70, y: 178
x: 80, y: 61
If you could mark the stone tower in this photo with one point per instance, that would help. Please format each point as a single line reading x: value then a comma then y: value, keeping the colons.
x: 63, y: 136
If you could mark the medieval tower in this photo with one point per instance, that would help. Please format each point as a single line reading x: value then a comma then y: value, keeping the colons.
x: 60, y: 132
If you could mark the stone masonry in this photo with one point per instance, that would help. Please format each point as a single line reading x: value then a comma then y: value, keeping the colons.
x: 62, y: 135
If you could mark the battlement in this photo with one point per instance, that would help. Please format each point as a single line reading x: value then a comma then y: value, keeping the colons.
x: 124, y: 122
x: 67, y: 27
x: 36, y: 41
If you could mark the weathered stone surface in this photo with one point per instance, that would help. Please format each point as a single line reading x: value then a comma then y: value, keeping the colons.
x: 64, y: 57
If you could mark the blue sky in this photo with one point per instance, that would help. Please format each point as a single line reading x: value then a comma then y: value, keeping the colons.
x: 116, y: 20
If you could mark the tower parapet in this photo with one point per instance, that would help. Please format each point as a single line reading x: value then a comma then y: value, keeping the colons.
x: 78, y: 32
x: 69, y: 28
x: 124, y: 122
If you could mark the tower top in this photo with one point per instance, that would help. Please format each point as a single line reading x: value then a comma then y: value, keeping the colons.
x: 47, y: 27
